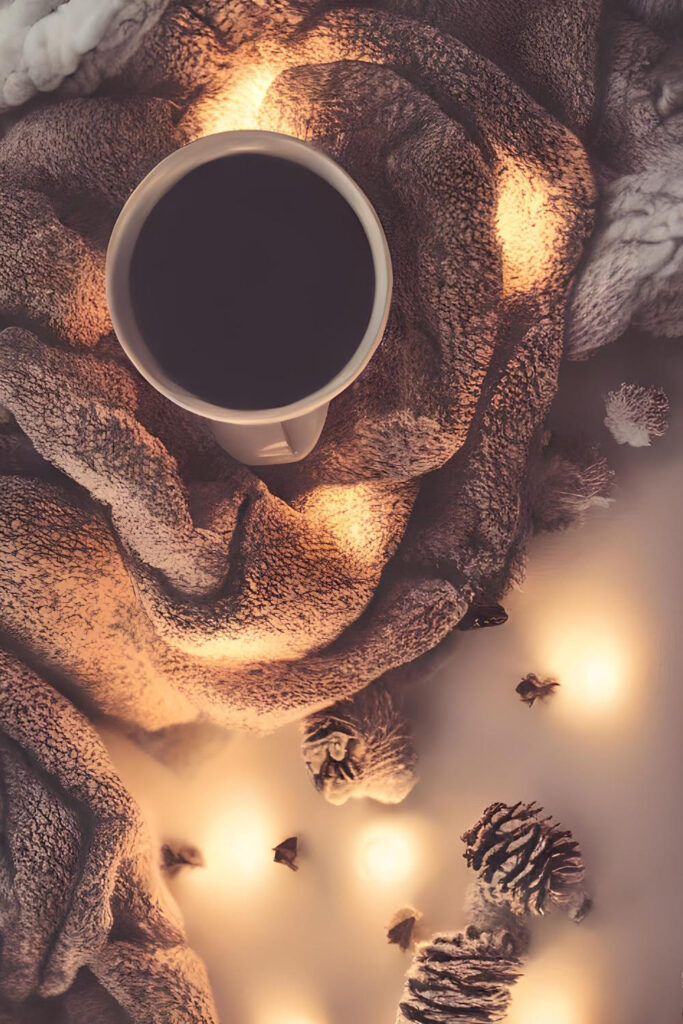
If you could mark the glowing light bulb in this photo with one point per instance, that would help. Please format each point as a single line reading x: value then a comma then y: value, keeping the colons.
x: 547, y: 1006
x: 302, y: 1012
x: 595, y: 663
x: 592, y: 672
x: 386, y: 854
x: 597, y: 677
x: 292, y: 1020
x: 238, y: 847
x: 561, y: 985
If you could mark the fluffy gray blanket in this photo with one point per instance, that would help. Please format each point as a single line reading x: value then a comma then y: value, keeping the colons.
x: 146, y: 577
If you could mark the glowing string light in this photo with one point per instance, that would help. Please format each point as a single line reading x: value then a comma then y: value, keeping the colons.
x: 237, y: 107
x: 288, y: 1019
x: 593, y: 670
x: 288, y: 1009
x: 530, y: 220
x: 238, y: 845
x: 545, y: 1006
x: 386, y: 854
x: 596, y: 677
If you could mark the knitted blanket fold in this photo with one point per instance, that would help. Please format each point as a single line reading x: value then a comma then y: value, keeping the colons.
x: 147, y: 577
x: 633, y: 268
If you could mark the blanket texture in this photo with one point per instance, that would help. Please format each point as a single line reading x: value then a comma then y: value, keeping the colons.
x: 145, y: 576
x: 204, y: 589
x: 45, y: 44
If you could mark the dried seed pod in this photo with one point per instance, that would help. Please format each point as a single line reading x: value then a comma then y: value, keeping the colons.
x: 361, y: 747
x: 531, y: 689
x: 465, y: 977
x: 175, y: 856
x: 401, y: 930
x: 636, y: 413
x: 526, y: 861
x: 286, y: 853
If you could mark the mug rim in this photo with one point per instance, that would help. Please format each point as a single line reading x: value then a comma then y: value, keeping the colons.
x: 160, y: 180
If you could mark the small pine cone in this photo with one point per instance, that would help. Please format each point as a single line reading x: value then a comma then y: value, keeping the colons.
x: 636, y: 413
x: 525, y: 861
x: 465, y: 977
x: 565, y: 481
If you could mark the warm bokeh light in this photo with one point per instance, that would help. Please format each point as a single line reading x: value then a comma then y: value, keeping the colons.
x: 288, y: 1008
x: 559, y: 985
x: 238, y: 845
x: 596, y: 677
x: 593, y: 639
x: 592, y: 665
x: 279, y: 1018
x: 249, y: 643
x: 530, y: 218
x: 546, y: 1006
x: 386, y: 854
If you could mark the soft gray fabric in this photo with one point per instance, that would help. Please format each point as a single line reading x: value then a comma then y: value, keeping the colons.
x: 45, y: 44
x: 633, y: 270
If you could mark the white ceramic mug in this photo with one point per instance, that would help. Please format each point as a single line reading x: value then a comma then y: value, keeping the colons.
x: 254, y: 436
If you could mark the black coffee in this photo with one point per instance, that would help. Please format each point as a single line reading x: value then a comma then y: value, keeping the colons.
x: 252, y: 282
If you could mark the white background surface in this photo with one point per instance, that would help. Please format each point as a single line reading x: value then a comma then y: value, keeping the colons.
x: 602, y: 609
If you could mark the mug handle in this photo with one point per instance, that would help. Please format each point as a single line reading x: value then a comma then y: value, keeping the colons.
x: 267, y: 444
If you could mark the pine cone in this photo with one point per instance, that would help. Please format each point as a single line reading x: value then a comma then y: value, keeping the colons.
x: 531, y: 688
x: 481, y: 616
x: 465, y: 977
x: 525, y: 861
x: 636, y: 413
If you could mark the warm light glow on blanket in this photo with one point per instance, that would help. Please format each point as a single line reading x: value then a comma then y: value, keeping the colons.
x: 237, y: 109
x: 349, y: 512
x: 250, y: 646
x: 237, y: 105
x: 529, y: 221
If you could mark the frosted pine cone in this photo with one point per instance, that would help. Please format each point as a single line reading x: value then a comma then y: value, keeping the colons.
x: 565, y: 481
x: 496, y: 918
x: 526, y: 862
x: 465, y: 977
x: 636, y: 413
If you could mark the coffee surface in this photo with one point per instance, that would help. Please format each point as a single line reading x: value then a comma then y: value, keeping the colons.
x: 252, y: 282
